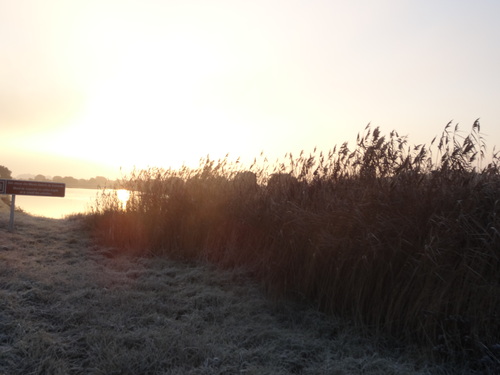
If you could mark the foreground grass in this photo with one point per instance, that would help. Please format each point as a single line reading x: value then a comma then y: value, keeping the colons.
x: 402, y: 240
x: 68, y: 306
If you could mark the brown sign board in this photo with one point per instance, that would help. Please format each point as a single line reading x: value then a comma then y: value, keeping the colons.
x: 40, y: 188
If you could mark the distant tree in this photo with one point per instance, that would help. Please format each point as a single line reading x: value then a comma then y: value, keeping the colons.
x: 5, y: 172
x: 101, y: 181
x: 57, y: 179
x: 70, y: 181
x: 40, y: 177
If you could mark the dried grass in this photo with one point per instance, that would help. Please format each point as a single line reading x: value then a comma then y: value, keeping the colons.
x: 70, y: 307
x: 403, y: 240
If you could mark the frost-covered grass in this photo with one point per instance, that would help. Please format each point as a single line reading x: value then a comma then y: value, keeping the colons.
x: 68, y: 306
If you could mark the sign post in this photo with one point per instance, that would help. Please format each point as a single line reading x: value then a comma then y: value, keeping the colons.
x: 21, y: 187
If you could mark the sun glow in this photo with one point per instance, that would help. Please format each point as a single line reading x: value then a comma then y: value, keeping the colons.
x: 169, y: 92
x: 123, y: 196
x: 156, y: 109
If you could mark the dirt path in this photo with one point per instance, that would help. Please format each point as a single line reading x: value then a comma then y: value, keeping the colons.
x: 68, y: 307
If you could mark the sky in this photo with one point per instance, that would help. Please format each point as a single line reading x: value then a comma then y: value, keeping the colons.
x: 99, y: 87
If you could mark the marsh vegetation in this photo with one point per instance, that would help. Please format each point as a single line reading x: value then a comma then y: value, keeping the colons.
x: 402, y: 240
x: 69, y: 306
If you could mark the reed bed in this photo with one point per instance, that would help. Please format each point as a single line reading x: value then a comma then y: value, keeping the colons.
x: 401, y: 239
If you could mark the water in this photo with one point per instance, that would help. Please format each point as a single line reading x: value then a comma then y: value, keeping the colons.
x: 75, y: 201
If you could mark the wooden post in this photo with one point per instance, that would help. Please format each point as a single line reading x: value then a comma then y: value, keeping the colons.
x: 12, y: 208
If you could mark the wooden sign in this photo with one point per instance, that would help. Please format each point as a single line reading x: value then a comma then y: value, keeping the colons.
x: 39, y: 188
x: 21, y: 187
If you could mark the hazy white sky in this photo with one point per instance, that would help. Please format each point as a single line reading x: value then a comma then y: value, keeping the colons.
x: 89, y: 86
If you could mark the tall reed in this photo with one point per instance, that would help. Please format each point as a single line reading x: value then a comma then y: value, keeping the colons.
x: 403, y: 239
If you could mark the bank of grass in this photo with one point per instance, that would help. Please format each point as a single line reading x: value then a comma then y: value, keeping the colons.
x: 68, y: 306
x: 401, y: 239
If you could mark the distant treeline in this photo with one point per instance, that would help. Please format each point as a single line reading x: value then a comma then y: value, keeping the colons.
x: 71, y: 182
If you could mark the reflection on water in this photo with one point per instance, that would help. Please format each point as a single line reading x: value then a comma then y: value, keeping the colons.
x: 75, y: 201
x: 123, y: 196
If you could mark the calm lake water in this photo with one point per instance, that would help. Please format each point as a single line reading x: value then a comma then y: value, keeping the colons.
x: 75, y: 201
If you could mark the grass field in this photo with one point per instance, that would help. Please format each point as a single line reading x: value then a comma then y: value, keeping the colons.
x: 68, y: 306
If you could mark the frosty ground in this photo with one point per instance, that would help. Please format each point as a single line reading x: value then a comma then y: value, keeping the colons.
x: 68, y: 306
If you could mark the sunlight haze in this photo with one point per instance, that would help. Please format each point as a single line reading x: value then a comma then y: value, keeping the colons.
x: 97, y: 87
